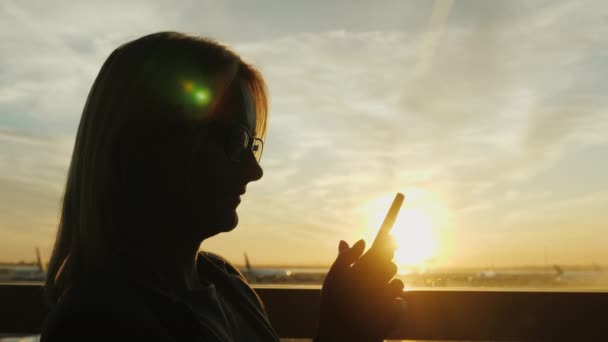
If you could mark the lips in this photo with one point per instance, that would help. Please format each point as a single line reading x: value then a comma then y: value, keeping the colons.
x: 236, y: 199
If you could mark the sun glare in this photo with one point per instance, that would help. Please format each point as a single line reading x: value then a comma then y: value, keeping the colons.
x: 416, y: 229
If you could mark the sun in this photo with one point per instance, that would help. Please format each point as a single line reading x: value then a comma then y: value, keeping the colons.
x: 414, y: 235
x: 416, y: 229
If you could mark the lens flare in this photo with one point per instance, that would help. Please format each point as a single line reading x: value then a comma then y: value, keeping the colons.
x: 202, y: 96
x: 188, y: 86
x: 198, y: 94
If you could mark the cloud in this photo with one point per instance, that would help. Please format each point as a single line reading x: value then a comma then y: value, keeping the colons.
x: 491, y: 113
x: 512, y: 89
x: 32, y: 175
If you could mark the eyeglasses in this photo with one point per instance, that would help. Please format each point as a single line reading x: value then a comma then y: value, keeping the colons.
x: 237, y: 139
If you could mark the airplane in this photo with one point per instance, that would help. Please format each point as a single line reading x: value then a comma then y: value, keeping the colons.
x: 37, y: 272
x: 27, y: 272
x: 519, y: 277
x: 263, y: 275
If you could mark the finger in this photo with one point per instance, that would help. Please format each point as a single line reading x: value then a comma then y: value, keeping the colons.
x: 395, y: 288
x: 377, y: 274
x: 393, y: 291
x: 359, y: 246
x: 387, y: 272
x: 369, y: 265
x: 349, y: 255
x: 395, y: 305
x: 342, y: 245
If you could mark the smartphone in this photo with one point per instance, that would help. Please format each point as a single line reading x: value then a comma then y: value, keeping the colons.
x: 390, y: 218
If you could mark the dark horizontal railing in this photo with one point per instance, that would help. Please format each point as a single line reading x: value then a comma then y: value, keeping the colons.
x: 431, y: 315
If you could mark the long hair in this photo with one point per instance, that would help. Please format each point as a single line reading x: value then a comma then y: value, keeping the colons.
x: 149, y: 91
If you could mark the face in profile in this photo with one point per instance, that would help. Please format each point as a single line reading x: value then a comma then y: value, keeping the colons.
x: 222, y: 168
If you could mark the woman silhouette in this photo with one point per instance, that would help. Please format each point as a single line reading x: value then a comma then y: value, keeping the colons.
x: 171, y: 134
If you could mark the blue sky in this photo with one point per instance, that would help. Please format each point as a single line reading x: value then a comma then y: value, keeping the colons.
x: 495, y: 110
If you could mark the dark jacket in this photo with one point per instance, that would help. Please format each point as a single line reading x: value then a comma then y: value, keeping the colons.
x: 128, y: 312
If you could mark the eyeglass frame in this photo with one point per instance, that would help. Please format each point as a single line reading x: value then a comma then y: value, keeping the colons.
x: 250, y: 139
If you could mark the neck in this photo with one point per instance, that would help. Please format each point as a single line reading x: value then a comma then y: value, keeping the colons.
x: 168, y: 255
x: 175, y: 264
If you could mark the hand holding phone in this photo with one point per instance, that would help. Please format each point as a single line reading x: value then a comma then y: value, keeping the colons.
x: 360, y: 300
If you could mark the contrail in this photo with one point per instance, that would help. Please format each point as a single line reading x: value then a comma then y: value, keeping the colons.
x: 426, y: 50
x: 28, y: 21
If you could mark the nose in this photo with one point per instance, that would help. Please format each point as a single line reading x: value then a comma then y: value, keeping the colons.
x: 254, y: 170
x: 259, y: 172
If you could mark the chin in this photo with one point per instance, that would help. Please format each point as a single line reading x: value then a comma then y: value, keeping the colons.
x: 216, y: 222
x: 226, y: 223
x: 232, y: 223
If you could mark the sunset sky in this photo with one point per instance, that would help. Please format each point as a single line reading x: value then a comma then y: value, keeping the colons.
x: 491, y: 117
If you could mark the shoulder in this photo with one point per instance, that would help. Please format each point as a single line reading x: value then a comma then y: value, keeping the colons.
x: 220, y: 262
x: 97, y: 316
x: 221, y: 269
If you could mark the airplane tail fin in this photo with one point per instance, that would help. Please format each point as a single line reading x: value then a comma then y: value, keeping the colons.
x: 39, y: 260
x: 558, y: 270
x: 247, y: 264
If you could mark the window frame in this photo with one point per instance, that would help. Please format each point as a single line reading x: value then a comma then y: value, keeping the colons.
x: 456, y: 315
